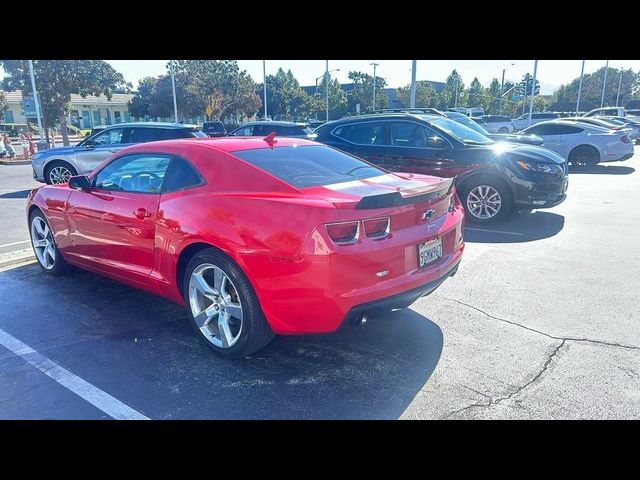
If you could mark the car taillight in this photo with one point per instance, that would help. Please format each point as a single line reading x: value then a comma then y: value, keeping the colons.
x: 377, y: 227
x: 344, y: 233
x: 625, y: 139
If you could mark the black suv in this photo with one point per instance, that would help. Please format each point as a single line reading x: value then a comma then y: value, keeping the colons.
x: 214, y: 129
x: 492, y: 178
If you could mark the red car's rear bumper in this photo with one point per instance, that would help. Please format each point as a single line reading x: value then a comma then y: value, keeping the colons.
x: 327, y: 285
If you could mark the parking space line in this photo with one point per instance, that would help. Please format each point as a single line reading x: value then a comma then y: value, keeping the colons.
x: 519, y: 234
x: 14, y: 243
x: 88, y: 392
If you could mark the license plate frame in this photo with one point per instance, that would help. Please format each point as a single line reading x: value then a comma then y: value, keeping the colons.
x: 429, y: 252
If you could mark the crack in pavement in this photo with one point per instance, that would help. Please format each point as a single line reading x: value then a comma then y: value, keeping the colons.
x: 497, y: 400
x: 511, y: 322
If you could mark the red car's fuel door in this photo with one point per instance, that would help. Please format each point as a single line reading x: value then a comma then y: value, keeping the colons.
x: 112, y: 224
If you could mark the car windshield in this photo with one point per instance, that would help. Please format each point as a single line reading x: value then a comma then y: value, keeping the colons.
x: 466, y: 121
x: 199, y: 134
x: 460, y: 132
x: 309, y: 165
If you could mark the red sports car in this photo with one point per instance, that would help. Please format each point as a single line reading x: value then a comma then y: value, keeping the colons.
x: 255, y: 236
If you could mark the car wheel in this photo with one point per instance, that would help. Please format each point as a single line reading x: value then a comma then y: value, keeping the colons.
x: 44, y: 246
x: 486, y: 200
x: 223, y: 307
x: 503, y: 130
x: 584, y: 156
x: 59, y: 172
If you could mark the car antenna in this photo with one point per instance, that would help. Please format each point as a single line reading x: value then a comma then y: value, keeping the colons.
x: 271, y: 138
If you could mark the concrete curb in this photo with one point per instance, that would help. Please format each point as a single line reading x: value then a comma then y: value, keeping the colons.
x: 15, y: 162
x: 15, y: 257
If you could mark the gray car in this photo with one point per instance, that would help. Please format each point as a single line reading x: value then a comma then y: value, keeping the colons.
x: 57, y: 165
x: 282, y: 129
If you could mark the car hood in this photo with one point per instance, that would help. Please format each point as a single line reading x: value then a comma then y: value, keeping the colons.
x: 517, y: 138
x: 532, y: 153
x: 60, y: 150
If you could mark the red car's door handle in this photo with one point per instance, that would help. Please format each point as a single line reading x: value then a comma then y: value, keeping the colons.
x: 142, y: 213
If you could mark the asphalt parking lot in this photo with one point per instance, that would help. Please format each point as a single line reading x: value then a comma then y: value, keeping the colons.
x: 540, y: 322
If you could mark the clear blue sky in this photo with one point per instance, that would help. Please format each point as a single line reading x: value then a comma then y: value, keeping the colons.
x: 551, y: 73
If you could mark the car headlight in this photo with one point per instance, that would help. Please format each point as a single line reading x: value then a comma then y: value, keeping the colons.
x: 537, y: 167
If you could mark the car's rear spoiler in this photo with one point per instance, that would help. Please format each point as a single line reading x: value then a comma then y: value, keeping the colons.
x: 407, y: 196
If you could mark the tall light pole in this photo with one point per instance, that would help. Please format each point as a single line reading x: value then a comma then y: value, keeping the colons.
x: 533, y: 89
x: 412, y: 103
x: 604, y: 84
x: 502, y: 88
x: 374, y: 85
x: 264, y: 82
x: 580, y: 89
x: 173, y: 86
x: 36, y: 101
x: 455, y: 105
x: 619, y: 85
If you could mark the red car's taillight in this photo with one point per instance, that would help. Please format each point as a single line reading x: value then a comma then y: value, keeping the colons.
x: 377, y: 227
x: 344, y: 233
x: 625, y: 139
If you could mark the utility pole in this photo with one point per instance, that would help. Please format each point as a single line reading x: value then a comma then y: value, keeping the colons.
x: 455, y: 105
x: 533, y: 89
x: 580, y: 89
x: 412, y: 104
x: 326, y: 87
x: 374, y: 85
x: 36, y: 101
x: 619, y: 85
x: 173, y: 86
x: 264, y: 83
x: 604, y: 84
x: 501, y: 89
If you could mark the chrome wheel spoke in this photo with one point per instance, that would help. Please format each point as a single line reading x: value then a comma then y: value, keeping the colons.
x: 40, y: 242
x: 203, y: 287
x: 51, y: 252
x: 219, y: 280
x: 224, y: 331
x: 484, y: 201
x: 234, y: 310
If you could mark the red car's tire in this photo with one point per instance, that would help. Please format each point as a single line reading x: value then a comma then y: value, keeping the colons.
x: 210, y: 299
x: 46, y: 251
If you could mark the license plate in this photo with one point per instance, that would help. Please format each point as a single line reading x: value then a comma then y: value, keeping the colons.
x: 429, y: 252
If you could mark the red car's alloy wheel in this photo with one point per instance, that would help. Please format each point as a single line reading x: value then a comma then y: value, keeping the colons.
x: 215, y: 305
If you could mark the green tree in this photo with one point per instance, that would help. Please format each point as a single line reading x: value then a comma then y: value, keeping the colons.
x: 286, y: 100
x: 447, y: 95
x: 493, y: 97
x: 524, y: 87
x: 539, y: 105
x: 218, y: 86
x: 476, y: 94
x: 592, y: 88
x: 57, y: 80
x: 141, y: 102
x: 362, y: 92
x: 426, y: 95
x: 338, y: 104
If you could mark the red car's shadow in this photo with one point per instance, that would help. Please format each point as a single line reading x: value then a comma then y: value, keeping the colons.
x: 140, y: 349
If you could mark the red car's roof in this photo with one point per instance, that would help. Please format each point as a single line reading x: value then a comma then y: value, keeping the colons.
x: 227, y: 144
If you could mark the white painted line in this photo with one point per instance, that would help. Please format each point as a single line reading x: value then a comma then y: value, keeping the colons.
x: 14, y: 243
x: 92, y: 394
x: 494, y: 231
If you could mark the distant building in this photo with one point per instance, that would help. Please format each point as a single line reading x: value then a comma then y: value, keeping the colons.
x: 84, y: 112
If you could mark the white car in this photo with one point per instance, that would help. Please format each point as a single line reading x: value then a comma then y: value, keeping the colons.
x: 536, y: 117
x: 582, y: 144
x: 498, y: 124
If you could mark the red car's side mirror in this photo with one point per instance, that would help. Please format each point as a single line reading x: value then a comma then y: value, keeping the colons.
x: 79, y: 182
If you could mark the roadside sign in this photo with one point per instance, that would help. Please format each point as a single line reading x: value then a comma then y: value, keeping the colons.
x: 29, y: 105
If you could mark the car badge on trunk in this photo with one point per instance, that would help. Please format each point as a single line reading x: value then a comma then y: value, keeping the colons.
x: 428, y: 214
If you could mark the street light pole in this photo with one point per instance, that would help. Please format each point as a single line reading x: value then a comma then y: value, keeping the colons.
x: 326, y: 87
x: 455, y: 105
x: 36, y: 101
x: 604, y: 84
x: 580, y: 89
x: 619, y: 85
x: 413, y: 84
x: 264, y: 82
x: 501, y: 90
x: 173, y: 86
x: 533, y: 89
x: 374, y: 84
